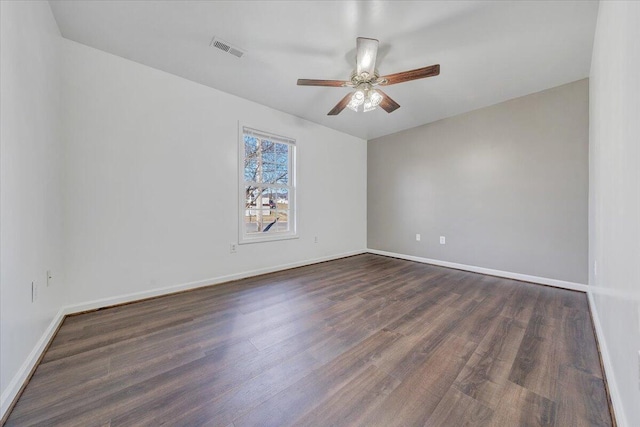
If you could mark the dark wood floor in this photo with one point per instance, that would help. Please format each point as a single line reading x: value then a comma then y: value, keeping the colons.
x: 366, y: 340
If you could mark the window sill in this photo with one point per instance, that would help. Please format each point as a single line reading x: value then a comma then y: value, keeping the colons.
x: 267, y: 239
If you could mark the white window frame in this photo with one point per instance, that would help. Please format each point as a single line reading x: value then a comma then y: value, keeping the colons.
x: 292, y: 233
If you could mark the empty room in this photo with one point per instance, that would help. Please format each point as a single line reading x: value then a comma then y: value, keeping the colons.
x: 319, y: 213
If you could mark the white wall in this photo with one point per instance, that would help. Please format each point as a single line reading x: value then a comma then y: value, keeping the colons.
x: 614, y: 198
x: 31, y: 184
x: 148, y: 164
x: 151, y: 180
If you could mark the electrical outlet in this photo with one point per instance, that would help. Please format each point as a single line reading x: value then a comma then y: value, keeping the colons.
x: 315, y: 239
x: 49, y: 278
x: 34, y: 291
x: 442, y: 240
x: 417, y: 237
x: 232, y: 248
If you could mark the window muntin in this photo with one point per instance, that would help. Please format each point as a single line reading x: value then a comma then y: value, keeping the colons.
x: 267, y: 186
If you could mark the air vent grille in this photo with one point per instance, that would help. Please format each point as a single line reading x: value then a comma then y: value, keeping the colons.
x: 226, y: 47
x: 221, y: 45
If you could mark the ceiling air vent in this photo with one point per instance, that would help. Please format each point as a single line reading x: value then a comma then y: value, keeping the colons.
x: 226, y: 47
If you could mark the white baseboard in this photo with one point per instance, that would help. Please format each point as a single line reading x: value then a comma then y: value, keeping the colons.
x: 121, y: 299
x: 507, y: 274
x: 24, y: 372
x: 614, y: 392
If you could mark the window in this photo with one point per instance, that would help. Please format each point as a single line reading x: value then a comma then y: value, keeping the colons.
x: 267, y: 186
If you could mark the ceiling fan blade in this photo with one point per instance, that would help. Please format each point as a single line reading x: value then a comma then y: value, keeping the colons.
x: 405, y: 76
x: 366, y: 52
x: 340, y: 105
x: 387, y: 104
x: 332, y: 83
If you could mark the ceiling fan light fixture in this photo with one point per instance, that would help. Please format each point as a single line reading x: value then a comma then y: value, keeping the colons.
x: 375, y: 97
x: 368, y: 106
x: 356, y: 100
x: 352, y: 106
x: 358, y: 97
x: 372, y: 100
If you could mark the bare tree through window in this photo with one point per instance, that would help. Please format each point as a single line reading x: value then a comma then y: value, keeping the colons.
x: 268, y: 184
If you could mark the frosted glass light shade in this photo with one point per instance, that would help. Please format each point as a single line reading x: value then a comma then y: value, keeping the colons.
x: 375, y: 98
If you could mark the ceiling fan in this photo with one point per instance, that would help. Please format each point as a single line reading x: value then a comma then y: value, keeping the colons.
x: 365, y: 78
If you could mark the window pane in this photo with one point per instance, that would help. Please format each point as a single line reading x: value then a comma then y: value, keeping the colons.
x: 251, y: 218
x: 260, y: 209
x: 250, y: 169
x: 269, y: 198
x: 250, y: 146
x: 251, y: 195
x: 268, y: 163
x: 283, y: 221
x: 282, y: 174
x: 282, y: 153
x: 282, y: 199
x: 250, y: 158
x: 269, y: 173
x: 270, y: 223
x: 251, y: 224
x: 268, y: 151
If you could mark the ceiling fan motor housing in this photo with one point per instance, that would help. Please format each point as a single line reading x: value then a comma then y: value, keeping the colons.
x: 364, y: 77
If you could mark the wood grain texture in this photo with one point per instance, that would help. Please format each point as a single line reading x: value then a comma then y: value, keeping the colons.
x: 328, y: 83
x: 388, y: 104
x: 341, y: 105
x: 366, y: 340
x: 406, y: 76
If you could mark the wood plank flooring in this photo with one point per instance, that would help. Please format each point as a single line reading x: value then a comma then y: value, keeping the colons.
x: 366, y: 340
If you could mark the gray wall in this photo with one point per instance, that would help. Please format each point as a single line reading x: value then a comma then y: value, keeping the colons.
x: 507, y: 186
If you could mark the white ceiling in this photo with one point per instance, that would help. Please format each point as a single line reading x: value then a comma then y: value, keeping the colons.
x: 488, y: 51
